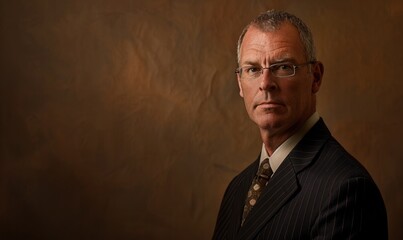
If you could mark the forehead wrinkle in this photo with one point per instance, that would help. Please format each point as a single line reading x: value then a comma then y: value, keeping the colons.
x: 264, y: 51
x: 267, y: 47
x: 265, y: 58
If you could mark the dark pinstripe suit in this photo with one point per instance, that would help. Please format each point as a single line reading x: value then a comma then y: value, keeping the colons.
x: 318, y: 192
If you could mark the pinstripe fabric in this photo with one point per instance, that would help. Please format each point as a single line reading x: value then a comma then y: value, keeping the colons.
x: 318, y: 192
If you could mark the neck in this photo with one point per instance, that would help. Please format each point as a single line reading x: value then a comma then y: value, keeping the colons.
x: 273, y: 138
x: 273, y: 141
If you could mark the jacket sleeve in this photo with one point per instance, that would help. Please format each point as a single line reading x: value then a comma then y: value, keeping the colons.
x: 224, y: 215
x: 353, y: 210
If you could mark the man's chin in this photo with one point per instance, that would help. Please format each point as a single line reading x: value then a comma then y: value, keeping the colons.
x: 269, y: 123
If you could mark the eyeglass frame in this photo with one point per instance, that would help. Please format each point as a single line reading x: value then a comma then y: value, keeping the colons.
x: 294, y: 66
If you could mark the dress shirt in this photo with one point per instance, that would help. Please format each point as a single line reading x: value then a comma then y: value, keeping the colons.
x: 288, y: 145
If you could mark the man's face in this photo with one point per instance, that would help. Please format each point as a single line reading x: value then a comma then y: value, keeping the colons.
x: 278, y: 105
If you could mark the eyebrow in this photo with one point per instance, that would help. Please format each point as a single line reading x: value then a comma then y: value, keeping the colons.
x: 286, y: 59
x: 252, y: 63
x: 276, y: 61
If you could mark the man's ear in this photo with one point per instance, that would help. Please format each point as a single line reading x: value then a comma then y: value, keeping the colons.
x: 239, y: 85
x: 317, y: 70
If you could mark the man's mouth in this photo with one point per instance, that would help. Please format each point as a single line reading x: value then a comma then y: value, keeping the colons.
x: 270, y: 104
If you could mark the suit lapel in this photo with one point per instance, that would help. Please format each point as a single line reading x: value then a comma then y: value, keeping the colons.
x: 284, y: 183
x: 243, y: 187
x: 279, y: 190
x: 304, y: 153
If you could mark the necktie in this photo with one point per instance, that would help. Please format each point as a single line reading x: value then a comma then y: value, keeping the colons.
x: 259, y: 182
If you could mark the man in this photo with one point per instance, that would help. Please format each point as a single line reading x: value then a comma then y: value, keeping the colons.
x: 308, y: 186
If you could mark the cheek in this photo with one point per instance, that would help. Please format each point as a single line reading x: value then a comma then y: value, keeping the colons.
x: 296, y: 95
x: 247, y: 94
x: 248, y: 99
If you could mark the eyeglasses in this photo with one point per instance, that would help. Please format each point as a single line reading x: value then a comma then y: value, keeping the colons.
x: 280, y: 70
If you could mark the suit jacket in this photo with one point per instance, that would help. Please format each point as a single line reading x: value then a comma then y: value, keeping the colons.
x: 318, y: 192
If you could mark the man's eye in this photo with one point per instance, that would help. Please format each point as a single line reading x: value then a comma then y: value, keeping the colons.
x: 251, y: 70
x: 282, y: 67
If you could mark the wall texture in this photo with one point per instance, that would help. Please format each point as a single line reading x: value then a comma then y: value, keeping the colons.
x: 122, y: 120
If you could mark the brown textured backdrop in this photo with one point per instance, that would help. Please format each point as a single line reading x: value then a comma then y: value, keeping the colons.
x: 122, y: 120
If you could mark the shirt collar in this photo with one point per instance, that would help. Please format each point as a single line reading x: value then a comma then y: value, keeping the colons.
x: 288, y: 145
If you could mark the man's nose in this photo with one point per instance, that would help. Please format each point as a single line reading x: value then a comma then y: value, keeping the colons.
x: 267, y: 81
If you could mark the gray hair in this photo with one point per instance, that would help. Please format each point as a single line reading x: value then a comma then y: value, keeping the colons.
x: 271, y: 21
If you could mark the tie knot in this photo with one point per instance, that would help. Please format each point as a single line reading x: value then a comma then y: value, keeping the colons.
x: 265, y: 170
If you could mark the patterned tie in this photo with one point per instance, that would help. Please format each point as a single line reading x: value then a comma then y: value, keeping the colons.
x: 259, y: 182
